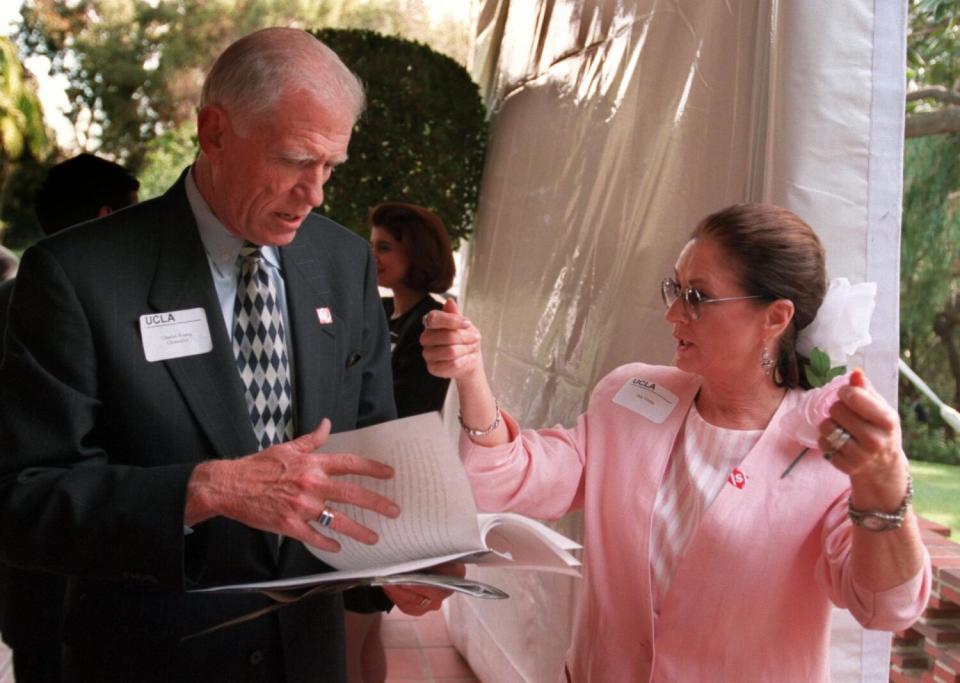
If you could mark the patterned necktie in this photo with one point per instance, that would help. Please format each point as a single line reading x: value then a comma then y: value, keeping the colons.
x: 259, y: 346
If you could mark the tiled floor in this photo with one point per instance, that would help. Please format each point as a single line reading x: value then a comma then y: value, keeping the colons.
x: 418, y: 649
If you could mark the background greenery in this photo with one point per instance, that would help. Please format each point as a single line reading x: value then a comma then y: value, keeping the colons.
x: 930, y: 235
x: 937, y: 493
x: 421, y: 139
x: 135, y: 68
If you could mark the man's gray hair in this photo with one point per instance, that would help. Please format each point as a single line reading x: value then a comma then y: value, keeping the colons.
x: 250, y: 75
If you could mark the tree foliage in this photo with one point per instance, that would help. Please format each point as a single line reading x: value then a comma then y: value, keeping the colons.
x: 135, y: 67
x: 421, y: 138
x: 933, y: 67
x: 24, y: 144
x: 930, y: 235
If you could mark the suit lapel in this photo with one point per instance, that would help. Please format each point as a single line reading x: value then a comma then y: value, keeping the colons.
x: 307, y: 276
x: 209, y: 382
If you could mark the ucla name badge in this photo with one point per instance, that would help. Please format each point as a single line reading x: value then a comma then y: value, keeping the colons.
x: 175, y: 334
x: 654, y: 401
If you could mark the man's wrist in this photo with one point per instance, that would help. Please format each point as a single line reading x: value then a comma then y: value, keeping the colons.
x: 201, y: 501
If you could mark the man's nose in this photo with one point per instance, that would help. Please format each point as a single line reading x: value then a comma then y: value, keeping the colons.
x: 310, y: 185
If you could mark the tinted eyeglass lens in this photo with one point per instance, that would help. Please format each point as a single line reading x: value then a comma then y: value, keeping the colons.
x: 692, y: 298
x: 669, y: 291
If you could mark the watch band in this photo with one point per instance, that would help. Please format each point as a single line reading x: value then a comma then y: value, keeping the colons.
x: 873, y: 520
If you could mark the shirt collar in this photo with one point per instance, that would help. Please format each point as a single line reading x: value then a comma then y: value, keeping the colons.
x: 222, y: 246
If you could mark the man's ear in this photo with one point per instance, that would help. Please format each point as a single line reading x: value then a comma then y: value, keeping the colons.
x: 779, y: 315
x: 213, y: 124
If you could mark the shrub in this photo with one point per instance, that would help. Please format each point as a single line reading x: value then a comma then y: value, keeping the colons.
x: 421, y: 139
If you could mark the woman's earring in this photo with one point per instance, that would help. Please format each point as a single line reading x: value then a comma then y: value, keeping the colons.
x: 766, y: 362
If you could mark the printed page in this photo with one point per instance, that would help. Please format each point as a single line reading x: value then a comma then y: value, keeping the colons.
x: 438, y: 517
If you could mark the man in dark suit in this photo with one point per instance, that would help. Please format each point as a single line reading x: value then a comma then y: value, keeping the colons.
x: 157, y: 362
x: 76, y: 190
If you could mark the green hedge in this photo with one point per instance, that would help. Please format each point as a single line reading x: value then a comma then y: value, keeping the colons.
x: 421, y: 139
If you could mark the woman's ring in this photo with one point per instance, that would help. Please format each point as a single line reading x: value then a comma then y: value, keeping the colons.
x: 838, y: 438
x: 326, y: 518
x: 426, y: 321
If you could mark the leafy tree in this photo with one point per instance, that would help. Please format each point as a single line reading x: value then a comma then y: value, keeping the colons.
x: 167, y: 155
x: 21, y: 115
x: 930, y: 235
x: 933, y: 68
x: 135, y: 67
x: 24, y: 144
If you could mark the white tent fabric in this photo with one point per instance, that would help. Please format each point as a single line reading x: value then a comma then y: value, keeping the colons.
x: 617, y: 124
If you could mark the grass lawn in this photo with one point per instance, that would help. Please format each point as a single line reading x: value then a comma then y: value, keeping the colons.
x: 937, y: 493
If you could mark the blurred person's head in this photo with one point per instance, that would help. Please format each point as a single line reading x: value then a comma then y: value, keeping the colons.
x: 750, y: 278
x: 82, y: 188
x: 411, y: 247
x: 276, y: 114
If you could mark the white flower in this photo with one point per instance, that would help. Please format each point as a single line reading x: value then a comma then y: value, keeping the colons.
x: 842, y: 324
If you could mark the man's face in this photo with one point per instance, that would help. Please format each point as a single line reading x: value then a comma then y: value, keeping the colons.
x: 269, y: 174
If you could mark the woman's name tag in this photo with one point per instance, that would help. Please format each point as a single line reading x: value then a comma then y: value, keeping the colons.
x: 653, y: 401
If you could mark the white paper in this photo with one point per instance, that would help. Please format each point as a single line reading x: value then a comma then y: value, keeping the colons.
x: 438, y: 516
x: 438, y: 521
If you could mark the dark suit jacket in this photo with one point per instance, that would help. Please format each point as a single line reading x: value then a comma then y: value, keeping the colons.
x: 31, y: 602
x: 415, y: 390
x: 97, y: 444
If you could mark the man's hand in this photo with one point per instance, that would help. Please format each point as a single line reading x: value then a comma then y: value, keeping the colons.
x: 418, y: 600
x: 285, y: 487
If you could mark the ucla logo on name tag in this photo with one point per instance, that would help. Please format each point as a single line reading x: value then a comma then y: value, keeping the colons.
x: 654, y: 401
x: 175, y: 334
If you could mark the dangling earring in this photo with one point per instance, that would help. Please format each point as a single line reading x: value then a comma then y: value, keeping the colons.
x: 766, y: 362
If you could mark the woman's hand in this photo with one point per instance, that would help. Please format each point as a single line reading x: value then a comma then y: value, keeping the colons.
x: 451, y: 348
x: 879, y: 476
x: 872, y: 456
x: 451, y: 344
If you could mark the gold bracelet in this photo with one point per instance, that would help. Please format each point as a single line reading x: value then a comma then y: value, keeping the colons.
x: 477, y: 433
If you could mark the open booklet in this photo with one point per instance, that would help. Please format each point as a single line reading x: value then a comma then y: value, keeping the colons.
x: 438, y: 523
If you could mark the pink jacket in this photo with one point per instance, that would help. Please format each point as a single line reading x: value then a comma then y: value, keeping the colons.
x: 751, y: 598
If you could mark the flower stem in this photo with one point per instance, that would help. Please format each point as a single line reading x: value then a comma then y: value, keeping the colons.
x: 794, y: 463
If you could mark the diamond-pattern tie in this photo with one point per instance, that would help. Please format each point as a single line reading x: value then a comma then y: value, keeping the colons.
x: 259, y: 346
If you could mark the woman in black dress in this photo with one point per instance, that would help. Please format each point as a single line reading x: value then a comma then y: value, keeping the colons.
x: 414, y: 260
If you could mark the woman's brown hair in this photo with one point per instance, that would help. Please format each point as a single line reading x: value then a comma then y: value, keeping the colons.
x: 424, y: 237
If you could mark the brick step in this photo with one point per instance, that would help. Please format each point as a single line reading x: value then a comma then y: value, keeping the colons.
x: 940, y: 632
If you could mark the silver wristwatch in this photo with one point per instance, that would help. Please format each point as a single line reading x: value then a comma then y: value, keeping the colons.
x: 881, y: 521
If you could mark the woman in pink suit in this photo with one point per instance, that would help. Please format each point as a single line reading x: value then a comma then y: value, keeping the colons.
x: 702, y: 562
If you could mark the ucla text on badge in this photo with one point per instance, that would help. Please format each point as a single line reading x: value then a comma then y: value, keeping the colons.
x: 158, y: 319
